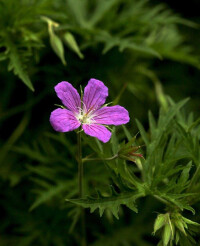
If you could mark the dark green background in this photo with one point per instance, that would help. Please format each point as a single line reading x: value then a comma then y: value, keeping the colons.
x: 27, y: 145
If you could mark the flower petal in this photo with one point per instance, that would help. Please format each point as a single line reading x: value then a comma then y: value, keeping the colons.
x: 98, y: 131
x: 113, y: 115
x: 69, y: 96
x: 63, y: 120
x: 95, y: 94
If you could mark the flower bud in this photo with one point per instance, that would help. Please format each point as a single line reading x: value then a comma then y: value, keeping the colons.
x: 128, y: 152
x: 159, y: 222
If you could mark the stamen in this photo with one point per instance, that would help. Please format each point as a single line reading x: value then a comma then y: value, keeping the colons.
x: 85, y: 117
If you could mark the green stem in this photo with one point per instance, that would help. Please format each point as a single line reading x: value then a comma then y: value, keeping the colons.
x: 162, y: 200
x: 80, y: 187
x: 100, y: 159
x: 80, y: 166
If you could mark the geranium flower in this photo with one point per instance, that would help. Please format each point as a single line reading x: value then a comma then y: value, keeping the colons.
x: 90, y: 113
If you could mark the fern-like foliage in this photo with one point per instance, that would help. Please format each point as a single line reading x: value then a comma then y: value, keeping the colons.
x: 18, y: 40
x: 168, y: 175
x: 165, y: 158
x: 129, y: 25
x: 166, y: 168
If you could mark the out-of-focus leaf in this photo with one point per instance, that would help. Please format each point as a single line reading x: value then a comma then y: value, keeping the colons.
x: 14, y: 137
x: 69, y: 39
x: 57, y: 46
x: 16, y: 65
x: 55, y: 40
x: 50, y: 192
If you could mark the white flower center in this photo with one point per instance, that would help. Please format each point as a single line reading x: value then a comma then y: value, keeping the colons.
x: 85, y: 117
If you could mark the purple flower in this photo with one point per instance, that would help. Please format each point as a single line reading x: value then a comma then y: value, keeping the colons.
x: 90, y: 113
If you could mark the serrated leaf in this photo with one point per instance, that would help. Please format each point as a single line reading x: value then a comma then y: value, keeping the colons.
x: 112, y: 203
x: 16, y: 65
x: 178, y: 200
x: 164, y: 121
x: 50, y: 192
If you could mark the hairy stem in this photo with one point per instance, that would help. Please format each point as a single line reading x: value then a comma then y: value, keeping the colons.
x: 80, y: 186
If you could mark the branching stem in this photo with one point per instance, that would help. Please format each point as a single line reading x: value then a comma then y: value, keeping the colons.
x: 100, y: 159
x: 162, y: 200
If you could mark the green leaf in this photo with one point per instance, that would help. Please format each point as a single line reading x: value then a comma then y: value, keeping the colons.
x: 142, y: 132
x: 114, y: 141
x: 127, y: 133
x: 164, y: 121
x: 50, y: 192
x: 152, y: 123
x: 178, y: 200
x: 17, y: 66
x: 185, y: 174
x: 101, y: 10
x: 138, y: 47
x: 126, y: 43
x: 71, y: 42
x: 190, y: 222
x: 77, y: 10
x: 166, y: 118
x: 57, y: 46
x: 112, y: 202
x: 194, y: 124
x: 3, y: 57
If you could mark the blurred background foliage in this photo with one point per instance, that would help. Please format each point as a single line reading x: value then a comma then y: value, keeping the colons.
x: 141, y: 49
